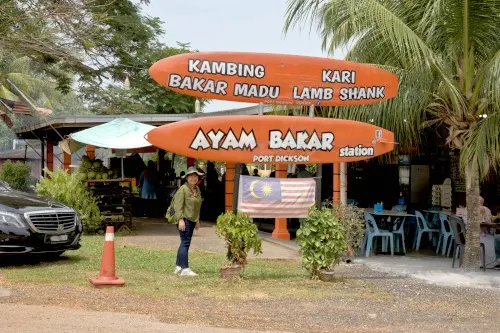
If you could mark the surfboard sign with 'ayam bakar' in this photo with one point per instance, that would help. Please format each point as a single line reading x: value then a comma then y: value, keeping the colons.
x: 273, y: 139
x: 274, y: 79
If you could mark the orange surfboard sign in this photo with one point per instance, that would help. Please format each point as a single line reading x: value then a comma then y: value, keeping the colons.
x: 273, y: 139
x: 274, y: 79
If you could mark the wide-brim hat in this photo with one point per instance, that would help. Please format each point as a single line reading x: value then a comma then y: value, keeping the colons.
x: 192, y: 170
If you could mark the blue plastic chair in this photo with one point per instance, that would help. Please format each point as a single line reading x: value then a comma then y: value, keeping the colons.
x: 399, y: 231
x: 422, y: 227
x: 445, y: 236
x: 373, y: 231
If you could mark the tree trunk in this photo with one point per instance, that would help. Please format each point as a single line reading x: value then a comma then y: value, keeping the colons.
x: 472, y: 241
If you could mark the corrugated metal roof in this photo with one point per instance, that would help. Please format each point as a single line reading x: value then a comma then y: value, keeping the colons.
x: 86, y: 121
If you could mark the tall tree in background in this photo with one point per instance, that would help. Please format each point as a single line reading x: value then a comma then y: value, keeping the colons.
x: 140, y: 94
x: 92, y: 38
x: 43, y: 90
x: 34, y: 83
x: 447, y: 55
x: 102, y: 42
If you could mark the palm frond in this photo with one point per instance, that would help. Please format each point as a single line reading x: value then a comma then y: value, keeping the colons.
x: 487, y: 85
x: 482, y: 145
x: 6, y: 93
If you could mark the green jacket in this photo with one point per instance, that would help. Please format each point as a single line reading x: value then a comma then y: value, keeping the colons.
x: 186, y: 205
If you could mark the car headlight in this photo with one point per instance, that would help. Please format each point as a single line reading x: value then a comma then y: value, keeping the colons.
x: 78, y: 220
x: 11, y: 219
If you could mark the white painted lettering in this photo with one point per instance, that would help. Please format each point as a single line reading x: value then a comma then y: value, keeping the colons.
x: 247, y: 140
x: 200, y: 141
x: 230, y: 141
x: 274, y: 139
x: 226, y: 68
x: 359, y: 93
x: 215, y: 138
x: 314, y: 142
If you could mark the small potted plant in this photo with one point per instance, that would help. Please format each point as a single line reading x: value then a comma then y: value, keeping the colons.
x: 240, y: 235
x: 322, y: 240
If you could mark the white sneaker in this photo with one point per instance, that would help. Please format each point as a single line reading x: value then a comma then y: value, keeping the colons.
x: 188, y: 272
x: 177, y: 270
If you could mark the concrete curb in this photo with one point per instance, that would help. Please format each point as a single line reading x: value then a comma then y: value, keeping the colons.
x: 291, y: 244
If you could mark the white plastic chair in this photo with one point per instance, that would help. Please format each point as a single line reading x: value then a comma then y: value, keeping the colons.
x: 399, y: 231
x: 445, y: 236
x: 373, y: 231
x: 422, y: 227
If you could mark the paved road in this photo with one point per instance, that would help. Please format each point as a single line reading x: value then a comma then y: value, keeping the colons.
x: 45, y: 319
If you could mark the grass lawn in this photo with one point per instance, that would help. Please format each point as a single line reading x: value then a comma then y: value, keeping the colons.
x: 149, y: 272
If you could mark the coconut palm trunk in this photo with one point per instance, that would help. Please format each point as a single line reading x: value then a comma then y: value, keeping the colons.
x: 447, y: 56
x: 472, y: 239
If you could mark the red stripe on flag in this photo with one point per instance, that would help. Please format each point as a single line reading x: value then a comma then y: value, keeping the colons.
x: 296, y: 197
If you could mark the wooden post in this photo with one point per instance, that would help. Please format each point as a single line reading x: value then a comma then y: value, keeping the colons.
x: 343, y: 183
x: 229, y: 186
x: 42, y: 151
x: 67, y: 162
x: 236, y: 187
x: 50, y: 155
x: 336, y: 182
x: 319, y: 168
x: 90, y: 152
x: 280, y: 224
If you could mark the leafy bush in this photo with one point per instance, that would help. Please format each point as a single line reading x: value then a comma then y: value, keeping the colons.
x: 17, y: 175
x: 351, y: 217
x: 322, y: 240
x: 69, y: 189
x: 241, y: 236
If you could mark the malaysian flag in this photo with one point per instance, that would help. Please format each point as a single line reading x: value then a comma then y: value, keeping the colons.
x: 276, y: 197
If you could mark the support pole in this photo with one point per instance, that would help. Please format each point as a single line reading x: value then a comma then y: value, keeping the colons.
x: 336, y: 182
x: 50, y: 155
x: 236, y: 187
x: 280, y: 224
x: 42, y: 150
x: 343, y: 183
x: 90, y: 151
x: 67, y: 162
x: 229, y: 186
x: 319, y: 169
x: 261, y: 109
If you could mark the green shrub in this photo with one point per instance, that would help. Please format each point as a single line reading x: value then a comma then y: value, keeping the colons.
x: 69, y: 189
x: 322, y: 240
x: 17, y: 175
x: 241, y: 236
x: 351, y: 217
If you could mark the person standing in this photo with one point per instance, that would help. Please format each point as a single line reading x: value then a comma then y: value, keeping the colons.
x: 149, y: 181
x: 302, y: 172
x: 187, y: 206
x: 256, y: 172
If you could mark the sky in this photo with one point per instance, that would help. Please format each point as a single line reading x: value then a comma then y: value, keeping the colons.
x: 233, y: 25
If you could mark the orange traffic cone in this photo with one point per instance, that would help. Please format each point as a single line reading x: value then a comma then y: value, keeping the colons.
x: 107, y: 276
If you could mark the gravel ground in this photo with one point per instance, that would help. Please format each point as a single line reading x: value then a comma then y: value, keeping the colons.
x: 396, y: 304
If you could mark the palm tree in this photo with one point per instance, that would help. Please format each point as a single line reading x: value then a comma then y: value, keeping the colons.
x: 24, y: 75
x: 447, y: 56
x: 36, y: 84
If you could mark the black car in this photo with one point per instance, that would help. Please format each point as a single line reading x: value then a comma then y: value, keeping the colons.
x: 35, y: 225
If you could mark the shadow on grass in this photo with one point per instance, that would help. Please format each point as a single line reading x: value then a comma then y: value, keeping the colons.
x: 34, y: 260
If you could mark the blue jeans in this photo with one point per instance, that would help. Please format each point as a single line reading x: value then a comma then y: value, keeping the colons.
x: 183, y: 251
